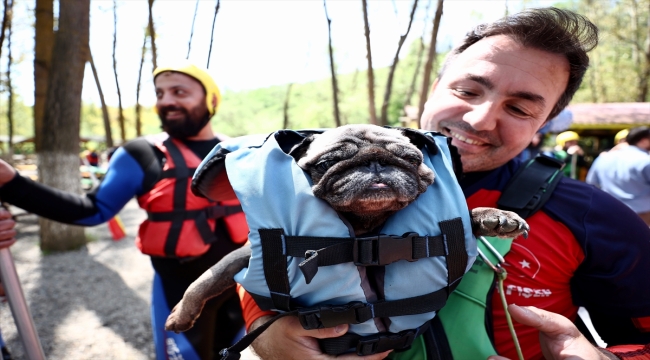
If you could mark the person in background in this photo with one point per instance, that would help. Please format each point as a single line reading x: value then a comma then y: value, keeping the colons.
x: 568, y: 151
x: 620, y: 140
x: 184, y: 235
x: 585, y: 248
x: 625, y: 173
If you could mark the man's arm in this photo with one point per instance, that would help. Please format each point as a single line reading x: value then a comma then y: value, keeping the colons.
x: 123, y: 180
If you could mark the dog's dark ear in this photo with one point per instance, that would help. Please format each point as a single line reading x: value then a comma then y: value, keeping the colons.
x: 420, y: 140
x: 300, y: 149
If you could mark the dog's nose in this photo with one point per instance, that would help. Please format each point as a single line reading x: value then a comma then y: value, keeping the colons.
x: 375, y: 166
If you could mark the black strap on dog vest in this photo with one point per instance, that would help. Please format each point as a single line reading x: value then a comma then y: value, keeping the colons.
x: 370, y: 251
x: 531, y: 186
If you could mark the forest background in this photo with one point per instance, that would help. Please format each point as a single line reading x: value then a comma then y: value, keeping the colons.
x: 274, y: 73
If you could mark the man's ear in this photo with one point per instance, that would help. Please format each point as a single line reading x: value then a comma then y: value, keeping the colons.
x: 214, y: 101
x: 300, y: 149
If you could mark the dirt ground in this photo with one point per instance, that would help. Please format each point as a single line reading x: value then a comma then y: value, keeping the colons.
x: 92, y: 303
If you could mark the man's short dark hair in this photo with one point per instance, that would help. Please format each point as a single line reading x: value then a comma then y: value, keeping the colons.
x: 637, y: 134
x: 553, y: 30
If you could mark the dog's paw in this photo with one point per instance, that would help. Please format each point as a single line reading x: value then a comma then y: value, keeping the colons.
x: 180, y: 319
x: 499, y: 223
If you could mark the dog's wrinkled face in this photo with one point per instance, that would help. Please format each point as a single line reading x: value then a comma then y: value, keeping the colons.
x: 365, y: 170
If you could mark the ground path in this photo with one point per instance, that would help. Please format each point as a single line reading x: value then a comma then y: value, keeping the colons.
x: 92, y: 303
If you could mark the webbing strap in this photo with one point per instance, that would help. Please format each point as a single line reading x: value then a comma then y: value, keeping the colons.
x: 531, y: 186
x: 212, y: 212
x: 180, y: 191
x: 173, y: 173
x: 454, y: 234
x: 371, y: 344
x: 275, y: 267
x: 368, y: 251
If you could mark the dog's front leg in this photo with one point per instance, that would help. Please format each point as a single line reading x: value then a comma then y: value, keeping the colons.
x: 211, y: 283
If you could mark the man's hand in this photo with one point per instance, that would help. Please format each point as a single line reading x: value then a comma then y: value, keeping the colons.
x: 7, y: 231
x: 7, y: 172
x: 559, y: 337
x: 287, y: 340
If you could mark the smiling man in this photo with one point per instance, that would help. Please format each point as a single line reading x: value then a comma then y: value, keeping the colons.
x: 184, y: 235
x: 585, y: 248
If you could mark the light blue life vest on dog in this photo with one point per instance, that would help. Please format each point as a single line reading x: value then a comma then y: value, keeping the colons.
x: 289, y: 225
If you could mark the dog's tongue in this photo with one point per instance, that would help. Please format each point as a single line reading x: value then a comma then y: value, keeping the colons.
x: 378, y: 186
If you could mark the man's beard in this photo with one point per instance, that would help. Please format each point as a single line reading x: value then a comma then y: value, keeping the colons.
x: 190, y: 126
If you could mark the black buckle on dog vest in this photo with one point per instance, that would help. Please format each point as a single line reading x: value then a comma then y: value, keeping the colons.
x: 378, y: 250
x: 320, y: 317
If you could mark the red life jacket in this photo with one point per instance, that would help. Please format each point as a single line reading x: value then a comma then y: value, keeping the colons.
x: 181, y: 224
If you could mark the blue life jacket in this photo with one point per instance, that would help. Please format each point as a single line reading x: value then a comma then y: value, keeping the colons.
x: 305, y: 258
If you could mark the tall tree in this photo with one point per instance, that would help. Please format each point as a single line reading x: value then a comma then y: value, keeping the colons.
x: 285, y: 110
x: 120, y: 110
x: 214, y: 20
x: 10, y: 89
x: 152, y: 36
x: 138, y: 108
x: 424, y: 90
x: 107, y: 120
x: 43, y: 43
x: 335, y: 87
x: 59, y: 159
x: 391, y: 74
x: 371, y: 74
x: 6, y: 18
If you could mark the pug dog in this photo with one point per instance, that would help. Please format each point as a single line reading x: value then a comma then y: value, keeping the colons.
x: 366, y: 173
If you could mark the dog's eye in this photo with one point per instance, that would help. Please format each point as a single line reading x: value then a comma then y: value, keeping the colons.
x: 325, y: 164
x: 413, y: 160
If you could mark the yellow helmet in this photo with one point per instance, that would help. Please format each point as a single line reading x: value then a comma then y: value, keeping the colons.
x: 202, y: 76
x: 621, y: 135
x: 563, y: 137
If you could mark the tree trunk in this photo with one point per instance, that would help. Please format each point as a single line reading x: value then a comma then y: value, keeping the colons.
x: 391, y: 74
x: 107, y: 121
x: 10, y: 100
x: 644, y: 77
x: 59, y: 159
x: 335, y: 87
x: 416, y: 72
x: 371, y: 74
x: 120, y: 110
x: 189, y: 43
x: 285, y: 123
x: 138, y: 108
x: 43, y: 42
x: 5, y: 21
x: 424, y: 91
x: 152, y: 36
x: 214, y: 20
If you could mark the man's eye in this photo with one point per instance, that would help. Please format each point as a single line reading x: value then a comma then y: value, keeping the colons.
x: 517, y: 111
x: 462, y: 92
x: 325, y: 165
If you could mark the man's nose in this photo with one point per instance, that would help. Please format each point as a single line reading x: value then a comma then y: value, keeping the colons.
x: 483, y: 117
x: 165, y: 99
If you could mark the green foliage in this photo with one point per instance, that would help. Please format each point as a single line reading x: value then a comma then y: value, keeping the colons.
x: 310, y: 104
x: 617, y: 65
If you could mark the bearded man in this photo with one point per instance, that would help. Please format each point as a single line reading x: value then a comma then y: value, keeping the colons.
x: 184, y: 235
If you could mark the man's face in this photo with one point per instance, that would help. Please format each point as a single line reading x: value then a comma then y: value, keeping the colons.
x: 492, y: 99
x: 180, y: 104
